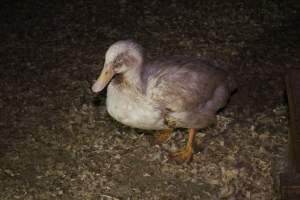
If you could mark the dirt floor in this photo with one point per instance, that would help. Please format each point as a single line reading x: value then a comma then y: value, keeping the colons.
x: 58, y: 142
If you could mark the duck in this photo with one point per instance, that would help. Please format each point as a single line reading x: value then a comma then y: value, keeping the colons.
x: 163, y: 94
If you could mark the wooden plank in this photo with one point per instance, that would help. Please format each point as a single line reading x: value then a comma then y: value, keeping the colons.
x: 293, y: 91
x: 290, y: 186
x: 290, y: 181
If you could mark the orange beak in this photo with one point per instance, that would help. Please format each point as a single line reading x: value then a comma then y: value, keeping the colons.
x: 106, y: 75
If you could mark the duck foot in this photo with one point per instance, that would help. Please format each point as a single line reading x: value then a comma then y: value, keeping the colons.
x: 185, y: 154
x: 162, y: 136
x: 182, y: 156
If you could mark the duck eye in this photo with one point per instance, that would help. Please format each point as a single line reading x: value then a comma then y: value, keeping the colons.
x: 118, y: 63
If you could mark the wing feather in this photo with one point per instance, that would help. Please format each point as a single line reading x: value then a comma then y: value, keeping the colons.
x: 182, y: 84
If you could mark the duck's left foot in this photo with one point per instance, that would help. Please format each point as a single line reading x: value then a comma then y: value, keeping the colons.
x: 183, y: 155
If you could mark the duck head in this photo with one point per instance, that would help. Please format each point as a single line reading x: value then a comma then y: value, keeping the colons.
x: 123, y: 57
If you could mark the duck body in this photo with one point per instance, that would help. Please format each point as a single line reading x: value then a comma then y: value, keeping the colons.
x: 174, y: 92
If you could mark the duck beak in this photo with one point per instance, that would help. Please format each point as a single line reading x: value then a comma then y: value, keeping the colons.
x: 104, y: 78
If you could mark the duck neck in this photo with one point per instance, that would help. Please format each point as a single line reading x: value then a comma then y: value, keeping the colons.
x: 134, y: 78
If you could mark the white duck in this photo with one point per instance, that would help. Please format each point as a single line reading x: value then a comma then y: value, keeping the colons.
x: 164, y: 94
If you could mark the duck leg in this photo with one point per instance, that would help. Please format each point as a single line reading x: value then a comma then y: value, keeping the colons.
x: 162, y: 136
x: 185, y: 154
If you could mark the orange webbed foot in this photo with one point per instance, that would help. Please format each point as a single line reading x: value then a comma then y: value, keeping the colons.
x: 185, y: 154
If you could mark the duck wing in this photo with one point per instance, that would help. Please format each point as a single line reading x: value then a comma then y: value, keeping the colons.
x: 182, y: 83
